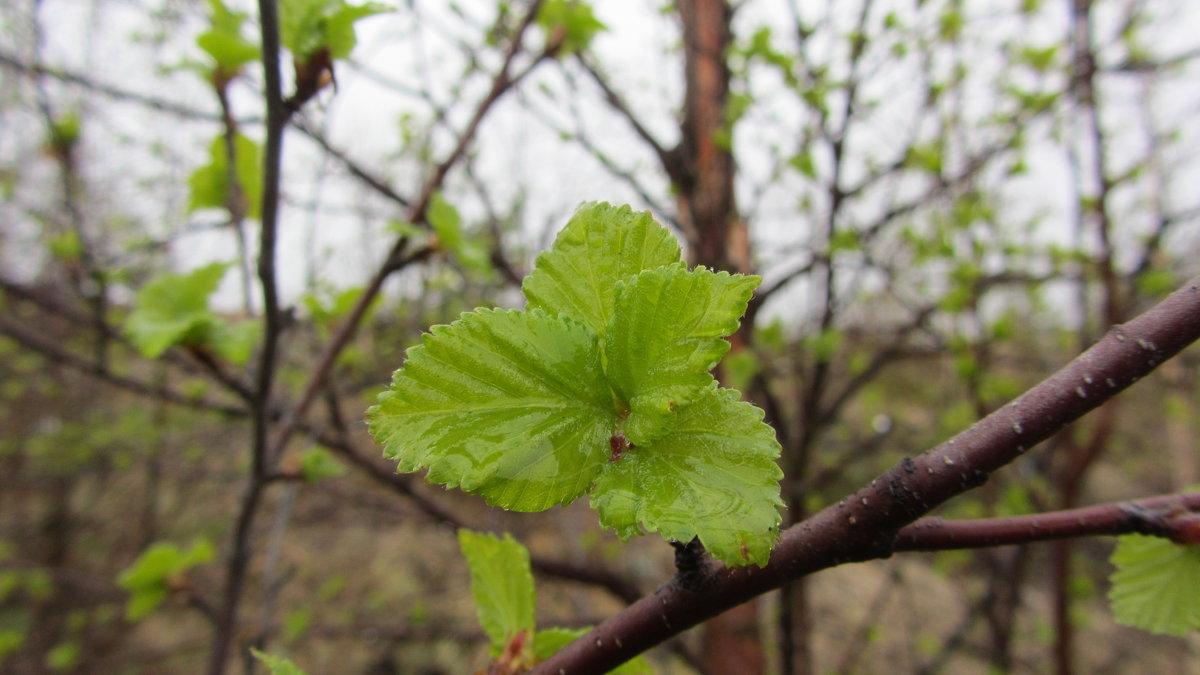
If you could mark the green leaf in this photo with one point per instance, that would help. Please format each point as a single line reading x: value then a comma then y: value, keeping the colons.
x: 713, y: 477
x: 209, y: 185
x: 276, y: 665
x: 235, y: 342
x: 501, y: 584
x: 546, y: 643
x: 63, y: 656
x: 223, y: 41
x: 665, y: 335
x: 316, y: 464
x: 510, y: 405
x: 173, y: 309
x: 149, y: 578
x: 1154, y: 585
x: 572, y: 21
x: 447, y: 224
x: 307, y: 27
x: 601, y: 245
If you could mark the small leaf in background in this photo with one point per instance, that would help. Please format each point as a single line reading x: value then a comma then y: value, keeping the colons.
x: 234, y: 342
x: 1156, y: 585
x: 307, y: 27
x: 317, y: 463
x: 713, y: 476
x: 63, y: 656
x: 547, y: 642
x: 173, y: 309
x: 65, y: 131
x: 66, y: 246
x: 502, y: 585
x: 11, y: 641
x: 601, y: 245
x: 447, y: 225
x: 509, y: 405
x: 276, y: 665
x: 570, y: 23
x: 740, y: 369
x: 223, y: 40
x: 295, y: 624
x: 149, y: 580
x: 666, y: 333
x: 405, y: 229
x: 209, y: 185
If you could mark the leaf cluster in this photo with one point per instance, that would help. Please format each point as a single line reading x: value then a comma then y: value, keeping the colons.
x: 602, y: 385
x: 158, y: 572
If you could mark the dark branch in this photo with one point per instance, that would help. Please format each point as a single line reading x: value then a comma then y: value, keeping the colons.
x: 864, y: 526
x: 1165, y: 516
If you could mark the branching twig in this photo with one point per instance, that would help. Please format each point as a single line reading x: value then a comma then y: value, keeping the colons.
x: 864, y: 525
x: 1165, y: 516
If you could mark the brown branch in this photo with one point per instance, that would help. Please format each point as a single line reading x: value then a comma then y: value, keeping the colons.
x: 36, y: 69
x: 864, y: 525
x: 240, y: 553
x: 1160, y: 516
x: 48, y: 349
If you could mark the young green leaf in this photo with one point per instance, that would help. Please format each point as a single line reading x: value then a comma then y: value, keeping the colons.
x: 309, y: 26
x: 223, y: 40
x: 601, y: 245
x: 173, y: 309
x: 569, y: 22
x: 234, y: 342
x: 1155, y: 585
x: 276, y: 665
x: 447, y: 224
x: 510, y: 405
x: 316, y: 464
x: 502, y: 585
x: 149, y: 578
x: 713, y: 476
x: 209, y: 185
x: 665, y: 335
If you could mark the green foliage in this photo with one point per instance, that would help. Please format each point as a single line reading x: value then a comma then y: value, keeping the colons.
x: 1154, y: 585
x: 67, y: 246
x: 602, y: 245
x: 571, y: 21
x: 510, y: 405
x: 660, y: 360
x: 157, y: 572
x: 65, y: 131
x: 223, y: 40
x: 276, y: 665
x: 447, y: 225
x: 209, y: 185
x: 307, y: 27
x: 604, y: 383
x: 63, y: 656
x: 11, y: 640
x: 173, y: 310
x: 317, y: 463
x: 502, y: 586
x: 714, y: 476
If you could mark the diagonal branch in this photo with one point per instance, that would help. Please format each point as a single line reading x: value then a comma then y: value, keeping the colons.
x: 503, y: 81
x: 864, y: 526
